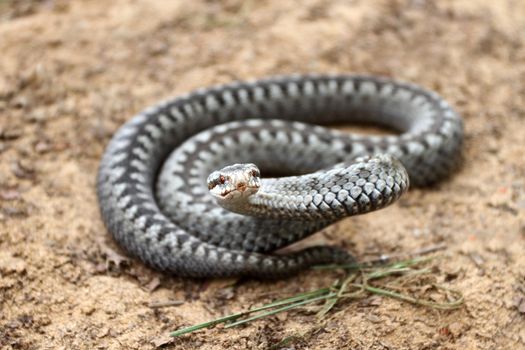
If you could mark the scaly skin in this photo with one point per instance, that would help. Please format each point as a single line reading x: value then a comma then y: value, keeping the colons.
x: 192, y: 236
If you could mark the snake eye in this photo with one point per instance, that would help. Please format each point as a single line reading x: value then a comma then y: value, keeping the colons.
x: 222, y: 179
x: 254, y: 173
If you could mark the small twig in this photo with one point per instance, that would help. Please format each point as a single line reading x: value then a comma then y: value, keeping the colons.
x: 430, y: 249
x: 167, y: 303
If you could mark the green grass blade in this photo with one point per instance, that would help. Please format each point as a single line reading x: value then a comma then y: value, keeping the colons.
x: 297, y: 297
x: 280, y: 302
x: 281, y: 309
x: 208, y: 324
x: 441, y: 306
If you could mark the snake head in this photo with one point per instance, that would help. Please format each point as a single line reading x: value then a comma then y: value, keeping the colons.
x: 234, y: 182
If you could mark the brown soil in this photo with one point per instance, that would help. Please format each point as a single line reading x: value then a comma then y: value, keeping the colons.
x: 71, y: 72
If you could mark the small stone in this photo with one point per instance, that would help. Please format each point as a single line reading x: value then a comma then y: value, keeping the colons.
x: 88, y: 310
x: 10, y: 264
x: 9, y: 195
x: 9, y: 134
x: 42, y: 147
x: 162, y: 341
x: 22, y: 169
x: 455, y: 329
x: 374, y: 319
x: 521, y: 306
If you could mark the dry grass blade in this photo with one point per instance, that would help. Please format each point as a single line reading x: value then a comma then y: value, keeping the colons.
x: 355, y: 285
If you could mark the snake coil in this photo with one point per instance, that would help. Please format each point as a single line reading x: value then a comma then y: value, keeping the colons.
x: 157, y: 204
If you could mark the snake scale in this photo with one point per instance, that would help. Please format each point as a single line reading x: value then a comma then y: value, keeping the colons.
x: 164, y: 200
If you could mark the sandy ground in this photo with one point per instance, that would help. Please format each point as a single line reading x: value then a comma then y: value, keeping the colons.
x: 71, y: 72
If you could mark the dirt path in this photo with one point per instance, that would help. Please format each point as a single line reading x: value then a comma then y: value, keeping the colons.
x: 71, y: 72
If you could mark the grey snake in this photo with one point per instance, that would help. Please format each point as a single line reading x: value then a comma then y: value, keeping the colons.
x: 178, y: 186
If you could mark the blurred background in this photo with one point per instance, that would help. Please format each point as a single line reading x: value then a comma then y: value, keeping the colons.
x: 71, y: 72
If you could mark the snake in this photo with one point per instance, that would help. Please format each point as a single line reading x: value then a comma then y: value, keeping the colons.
x: 215, y: 182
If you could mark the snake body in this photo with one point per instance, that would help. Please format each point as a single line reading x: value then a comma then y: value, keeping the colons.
x: 157, y: 204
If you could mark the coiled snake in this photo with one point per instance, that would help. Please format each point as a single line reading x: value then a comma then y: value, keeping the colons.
x: 179, y: 214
